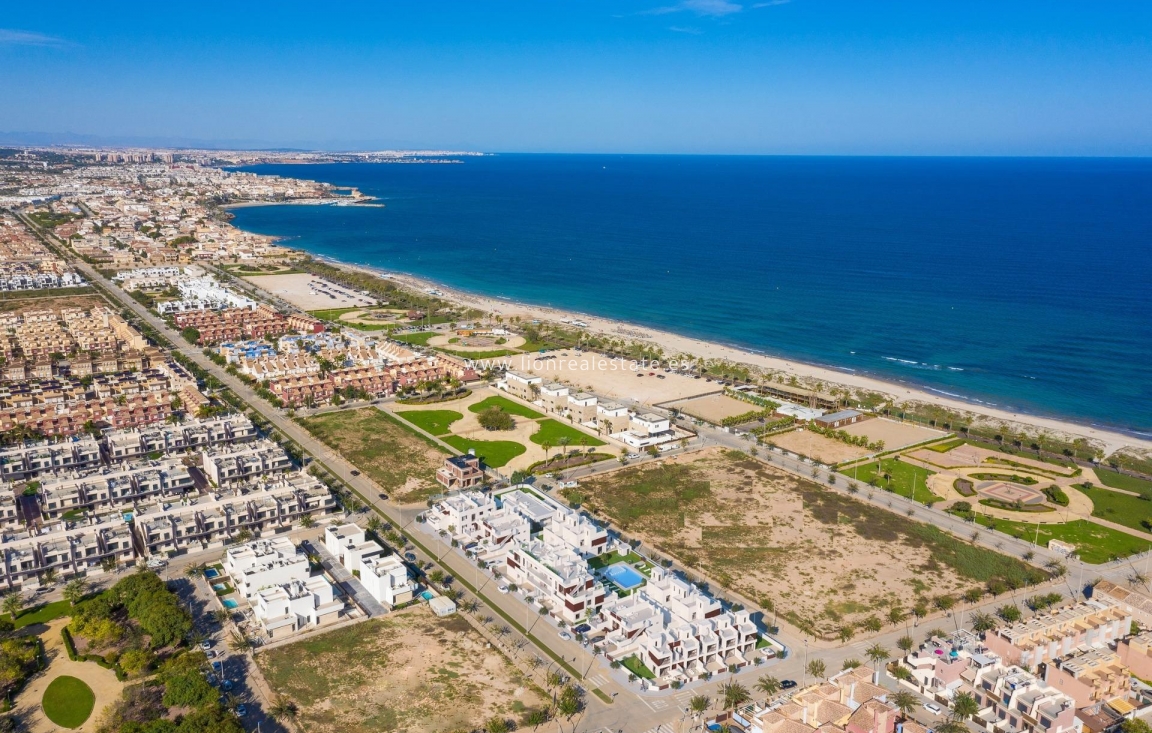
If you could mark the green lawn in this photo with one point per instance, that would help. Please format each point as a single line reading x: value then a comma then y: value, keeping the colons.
x: 419, y: 339
x: 494, y: 453
x: 638, y: 668
x: 436, y: 422
x: 611, y: 558
x: 947, y: 445
x: 1096, y: 544
x: 553, y: 430
x: 44, y: 613
x: 1128, y: 483
x: 507, y: 405
x: 68, y: 702
x: 479, y: 355
x: 1131, y: 511
x: 904, y: 477
x: 332, y: 314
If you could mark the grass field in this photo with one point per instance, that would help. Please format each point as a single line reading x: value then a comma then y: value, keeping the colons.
x: 402, y: 461
x: 553, y: 430
x: 1120, y: 481
x: 494, y: 453
x: 43, y: 613
x: 1097, y: 544
x: 419, y: 339
x: 68, y: 701
x: 332, y: 314
x: 902, y: 478
x: 409, y: 671
x: 947, y: 445
x: 436, y: 422
x: 490, y: 354
x: 507, y: 405
x: 1131, y: 511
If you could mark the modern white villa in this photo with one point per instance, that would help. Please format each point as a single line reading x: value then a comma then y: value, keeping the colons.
x: 569, y: 565
x: 383, y: 575
x: 275, y: 577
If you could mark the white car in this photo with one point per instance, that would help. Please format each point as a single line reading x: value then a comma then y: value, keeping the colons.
x: 565, y: 636
x: 502, y: 588
x: 933, y: 708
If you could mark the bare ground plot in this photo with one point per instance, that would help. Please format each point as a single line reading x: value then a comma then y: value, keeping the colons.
x: 814, y: 445
x: 894, y: 434
x: 713, y: 408
x: 28, y: 300
x: 407, y: 672
x: 822, y: 559
x: 295, y: 289
x: 401, y: 462
x: 615, y: 378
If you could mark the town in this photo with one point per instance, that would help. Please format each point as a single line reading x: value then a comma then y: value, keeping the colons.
x: 234, y: 478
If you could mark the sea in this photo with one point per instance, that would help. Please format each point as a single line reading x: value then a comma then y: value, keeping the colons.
x: 1019, y: 283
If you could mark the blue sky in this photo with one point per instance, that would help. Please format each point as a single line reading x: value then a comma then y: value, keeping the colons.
x: 1013, y: 77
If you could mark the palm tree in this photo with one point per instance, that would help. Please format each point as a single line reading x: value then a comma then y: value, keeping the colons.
x: 74, y: 591
x: 982, y: 621
x: 964, y: 706
x: 903, y: 701
x: 239, y: 642
x: 768, y: 684
x: 283, y: 709
x: 13, y: 604
x: 735, y: 695
x: 307, y: 521
x: 817, y: 669
x: 895, y: 616
x: 49, y: 577
x: 195, y: 570
x: 699, y: 704
x: 547, y: 446
x: 877, y: 654
x: 564, y: 441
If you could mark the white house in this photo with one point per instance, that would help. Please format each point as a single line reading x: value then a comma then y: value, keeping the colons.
x: 386, y: 579
x: 646, y: 430
x: 351, y: 546
x: 264, y: 563
x: 296, y: 605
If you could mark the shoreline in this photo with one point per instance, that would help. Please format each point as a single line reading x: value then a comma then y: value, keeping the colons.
x: 674, y: 344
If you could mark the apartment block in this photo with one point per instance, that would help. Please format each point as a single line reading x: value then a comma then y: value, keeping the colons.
x: 1013, y: 700
x: 231, y: 464
x: 382, y: 574
x: 21, y: 462
x: 1089, y: 676
x: 460, y: 473
x: 275, y: 577
x: 847, y: 702
x: 1049, y: 636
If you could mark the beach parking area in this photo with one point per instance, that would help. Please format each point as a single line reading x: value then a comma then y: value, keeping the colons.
x: 309, y: 292
x: 619, y: 379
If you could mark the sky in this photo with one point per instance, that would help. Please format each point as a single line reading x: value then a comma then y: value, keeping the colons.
x: 825, y: 77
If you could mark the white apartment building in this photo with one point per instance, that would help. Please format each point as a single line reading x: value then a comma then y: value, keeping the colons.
x: 80, y: 551
x: 189, y: 435
x: 109, y: 488
x: 264, y: 563
x: 522, y: 385
x: 645, y: 430
x: 230, y: 464
x: 350, y: 546
x: 21, y: 462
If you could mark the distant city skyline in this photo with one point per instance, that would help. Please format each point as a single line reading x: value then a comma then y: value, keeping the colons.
x: 811, y: 77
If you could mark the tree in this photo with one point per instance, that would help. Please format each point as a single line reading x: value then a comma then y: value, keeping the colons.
x: 239, y: 642
x: 136, y: 661
x: 74, y: 591
x: 905, y: 643
x: 896, y: 616
x: 195, y: 570
x: 493, y: 418
x: 1009, y: 613
x: 878, y: 655
x: 13, y: 604
x: 1135, y: 725
x: 49, y: 577
x: 768, y: 684
x: 307, y: 521
x: 817, y: 669
x: 964, y: 706
x: 699, y: 704
x: 872, y: 624
x: 903, y: 701
x: 735, y: 695
x: 982, y: 622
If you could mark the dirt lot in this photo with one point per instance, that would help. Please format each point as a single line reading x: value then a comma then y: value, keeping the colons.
x: 814, y: 445
x: 294, y: 289
x: 894, y: 434
x: 713, y: 408
x: 615, y: 378
x: 391, y: 455
x: 822, y: 559
x: 407, y: 672
x: 28, y: 300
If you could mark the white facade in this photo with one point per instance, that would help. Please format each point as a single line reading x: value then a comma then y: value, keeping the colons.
x: 296, y: 605
x: 386, y: 579
x: 265, y: 563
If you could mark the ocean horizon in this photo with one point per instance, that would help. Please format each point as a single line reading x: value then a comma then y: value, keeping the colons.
x: 1023, y: 284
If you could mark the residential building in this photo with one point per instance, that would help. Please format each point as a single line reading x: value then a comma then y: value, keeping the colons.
x: 1013, y: 700
x: 460, y: 472
x: 840, y: 419
x: 1089, y: 676
x: 1049, y: 636
x: 296, y: 605
x: 229, y: 464
x: 1135, y: 652
x: 524, y: 386
x: 1134, y: 602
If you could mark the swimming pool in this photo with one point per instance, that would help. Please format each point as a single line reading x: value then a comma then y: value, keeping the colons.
x: 427, y: 595
x: 230, y: 604
x: 624, y: 576
x: 219, y: 587
x: 211, y: 573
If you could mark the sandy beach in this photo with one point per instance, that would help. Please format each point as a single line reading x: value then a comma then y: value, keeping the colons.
x: 675, y: 344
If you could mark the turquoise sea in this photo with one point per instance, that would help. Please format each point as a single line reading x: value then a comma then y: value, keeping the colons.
x: 1022, y: 283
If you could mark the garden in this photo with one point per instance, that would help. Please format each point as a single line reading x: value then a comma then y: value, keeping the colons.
x: 899, y: 477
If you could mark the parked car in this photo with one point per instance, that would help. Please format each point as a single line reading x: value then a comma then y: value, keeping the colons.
x: 206, y: 644
x: 582, y: 629
x: 565, y: 636
x: 354, y: 472
x: 410, y: 557
x: 502, y: 588
x: 227, y: 685
x: 241, y: 710
x: 933, y: 708
x: 787, y: 684
x: 383, y: 497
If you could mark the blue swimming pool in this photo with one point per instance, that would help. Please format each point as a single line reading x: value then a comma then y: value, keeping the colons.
x: 427, y: 595
x: 211, y: 573
x: 219, y: 586
x: 624, y: 576
x: 230, y: 604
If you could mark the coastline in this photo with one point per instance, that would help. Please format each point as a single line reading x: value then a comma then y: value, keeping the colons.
x: 675, y: 344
